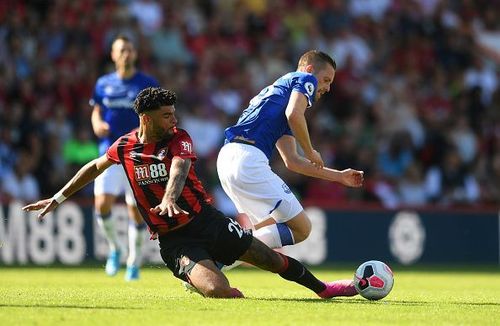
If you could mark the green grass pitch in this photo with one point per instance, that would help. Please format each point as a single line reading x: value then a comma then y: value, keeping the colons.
x: 86, y: 296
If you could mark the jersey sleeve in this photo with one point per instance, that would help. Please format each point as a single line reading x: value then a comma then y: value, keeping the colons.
x: 182, y: 146
x: 306, y: 84
x: 96, y: 95
x: 112, y: 152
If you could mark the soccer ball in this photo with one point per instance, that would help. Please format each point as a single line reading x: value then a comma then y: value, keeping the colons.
x: 373, y: 280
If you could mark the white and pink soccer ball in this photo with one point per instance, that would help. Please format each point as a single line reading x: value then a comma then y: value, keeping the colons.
x: 373, y: 280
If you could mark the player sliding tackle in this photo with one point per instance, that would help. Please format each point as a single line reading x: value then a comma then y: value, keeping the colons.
x: 157, y: 159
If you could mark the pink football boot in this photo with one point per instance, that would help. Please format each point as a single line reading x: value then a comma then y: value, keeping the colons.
x: 341, y: 288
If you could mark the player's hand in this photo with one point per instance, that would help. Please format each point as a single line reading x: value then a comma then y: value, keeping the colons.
x: 352, y: 178
x: 167, y: 207
x: 101, y: 129
x: 48, y: 206
x: 315, y: 158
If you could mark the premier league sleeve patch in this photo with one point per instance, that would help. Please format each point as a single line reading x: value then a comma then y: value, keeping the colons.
x: 309, y: 88
x: 306, y: 84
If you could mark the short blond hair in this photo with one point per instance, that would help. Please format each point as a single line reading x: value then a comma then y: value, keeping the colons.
x: 316, y: 58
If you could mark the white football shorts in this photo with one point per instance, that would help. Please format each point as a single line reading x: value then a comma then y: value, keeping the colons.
x: 113, y: 181
x: 254, y: 188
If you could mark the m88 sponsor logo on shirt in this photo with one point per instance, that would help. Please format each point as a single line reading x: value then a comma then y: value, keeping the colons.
x: 150, y: 173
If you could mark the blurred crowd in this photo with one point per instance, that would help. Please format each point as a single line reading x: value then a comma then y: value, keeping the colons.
x: 415, y: 102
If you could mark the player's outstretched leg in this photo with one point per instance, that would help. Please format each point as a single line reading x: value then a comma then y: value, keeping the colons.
x: 293, y: 270
x: 290, y: 269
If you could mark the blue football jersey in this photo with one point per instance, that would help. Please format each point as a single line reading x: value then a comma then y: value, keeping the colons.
x: 116, y: 98
x: 264, y: 121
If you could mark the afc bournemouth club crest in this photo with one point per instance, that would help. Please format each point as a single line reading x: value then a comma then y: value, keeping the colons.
x: 184, y: 261
x: 162, y: 153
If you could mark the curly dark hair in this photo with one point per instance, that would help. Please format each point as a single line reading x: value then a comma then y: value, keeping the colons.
x: 152, y: 98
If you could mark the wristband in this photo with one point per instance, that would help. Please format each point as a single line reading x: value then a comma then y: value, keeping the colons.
x: 59, y: 197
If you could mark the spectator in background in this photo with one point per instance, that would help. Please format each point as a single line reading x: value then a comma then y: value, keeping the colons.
x: 481, y: 75
x: 264, y: 67
x: 149, y: 13
x: 451, y: 182
x: 491, y: 180
x: 59, y: 125
x: 226, y: 99
x: 6, y: 148
x: 396, y: 111
x: 81, y: 149
x: 20, y: 183
x: 54, y: 51
x: 168, y: 44
x: 394, y: 159
x: 411, y: 187
x: 52, y: 159
x: 347, y: 45
x: 375, y: 9
x: 463, y: 139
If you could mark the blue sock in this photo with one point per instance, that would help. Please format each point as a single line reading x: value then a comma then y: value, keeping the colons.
x: 285, y: 233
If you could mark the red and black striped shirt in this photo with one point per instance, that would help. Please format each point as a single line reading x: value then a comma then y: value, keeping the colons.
x: 147, y: 167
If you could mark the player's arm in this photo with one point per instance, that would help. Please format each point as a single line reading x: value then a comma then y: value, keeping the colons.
x: 295, y: 114
x: 179, y: 171
x: 287, y: 147
x: 85, y: 175
x: 100, y: 127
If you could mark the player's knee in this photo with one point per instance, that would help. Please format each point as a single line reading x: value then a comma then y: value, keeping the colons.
x: 210, y: 290
x: 135, y: 215
x: 103, y: 204
x: 302, y: 233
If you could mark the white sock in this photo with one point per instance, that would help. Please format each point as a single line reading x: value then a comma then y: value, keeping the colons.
x: 107, y: 225
x: 269, y: 235
x: 136, y: 234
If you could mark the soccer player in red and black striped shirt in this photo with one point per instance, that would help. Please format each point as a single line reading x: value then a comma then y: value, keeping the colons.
x: 147, y: 165
x: 193, y: 235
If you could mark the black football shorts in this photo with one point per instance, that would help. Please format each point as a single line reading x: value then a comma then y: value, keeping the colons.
x: 209, y: 235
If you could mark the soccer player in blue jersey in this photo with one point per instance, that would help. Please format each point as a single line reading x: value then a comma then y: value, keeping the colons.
x: 113, y: 116
x: 275, y: 118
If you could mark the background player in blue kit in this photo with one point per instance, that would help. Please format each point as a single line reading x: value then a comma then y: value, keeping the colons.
x: 113, y: 116
x: 275, y: 118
